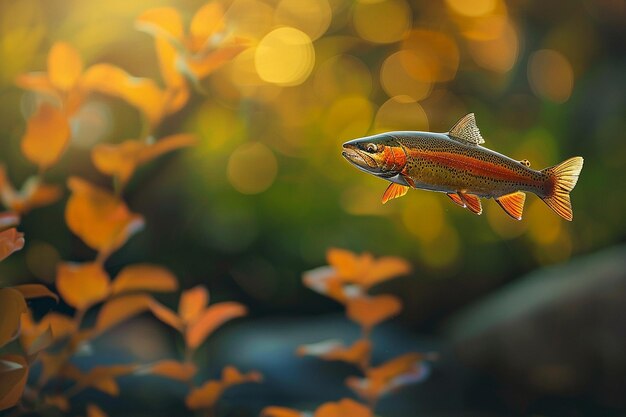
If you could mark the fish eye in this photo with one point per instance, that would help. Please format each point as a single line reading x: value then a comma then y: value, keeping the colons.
x: 372, y: 148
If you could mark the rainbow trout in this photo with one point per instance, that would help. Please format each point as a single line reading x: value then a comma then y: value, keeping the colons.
x: 455, y: 163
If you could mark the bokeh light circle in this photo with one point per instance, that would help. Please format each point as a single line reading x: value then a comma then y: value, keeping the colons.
x: 400, y: 113
x: 285, y: 56
x: 252, y: 168
x: 381, y: 21
x: 550, y: 75
x: 397, y: 80
x: 310, y: 16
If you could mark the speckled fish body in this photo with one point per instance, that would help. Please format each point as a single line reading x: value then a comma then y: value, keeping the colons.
x: 454, y: 163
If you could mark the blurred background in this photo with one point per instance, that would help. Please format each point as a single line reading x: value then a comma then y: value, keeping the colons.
x: 528, y: 315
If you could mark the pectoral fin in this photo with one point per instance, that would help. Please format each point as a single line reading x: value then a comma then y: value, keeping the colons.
x: 457, y: 200
x: 472, y: 202
x: 394, y: 191
x: 513, y: 204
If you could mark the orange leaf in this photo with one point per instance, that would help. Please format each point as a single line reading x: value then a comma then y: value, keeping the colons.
x: 198, y: 67
x: 118, y: 160
x: 10, y: 241
x: 343, y: 408
x: 369, y: 311
x: 64, y: 66
x: 8, y: 220
x: 52, y: 364
x: 161, y: 21
x: 142, y: 93
x: 384, y: 269
x: 47, y: 135
x: 13, y: 376
x: 95, y: 411
x: 177, y: 91
x: 165, y: 145
x: 144, y: 277
x: 38, y: 82
x: 60, y: 325
x: 281, y: 412
x: 192, y: 303
x: 12, y: 305
x: 170, y: 369
x: 167, y: 316
x: 344, y: 261
x: 43, y: 341
x: 59, y: 401
x: 35, y: 291
x: 204, y: 396
x: 212, y: 318
x: 102, y: 378
x: 325, y: 281
x: 207, y: 21
x: 357, y: 354
x: 100, y: 219
x: 33, y: 193
x: 232, y: 376
x: 82, y: 285
x: 121, y: 309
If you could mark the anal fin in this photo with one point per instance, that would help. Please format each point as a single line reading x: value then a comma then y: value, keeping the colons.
x: 457, y: 200
x: 394, y: 191
x: 472, y: 202
x: 513, y: 204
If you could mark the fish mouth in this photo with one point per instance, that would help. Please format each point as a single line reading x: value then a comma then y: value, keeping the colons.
x: 359, y: 159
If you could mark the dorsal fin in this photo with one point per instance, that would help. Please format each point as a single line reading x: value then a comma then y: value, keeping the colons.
x: 467, y: 131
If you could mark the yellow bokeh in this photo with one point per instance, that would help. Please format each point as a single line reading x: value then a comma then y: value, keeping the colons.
x: 544, y: 226
x: 397, y: 80
x: 342, y: 74
x: 400, y: 113
x: 550, y: 75
x: 498, y: 54
x: 252, y: 168
x: 310, y: 16
x: 435, y: 55
x: 505, y: 226
x: 285, y: 56
x: 382, y: 21
x: 350, y: 116
x: 472, y: 8
x: 250, y: 18
x: 423, y: 215
x: 364, y: 200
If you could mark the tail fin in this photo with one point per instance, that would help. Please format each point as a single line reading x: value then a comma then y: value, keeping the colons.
x: 564, y: 177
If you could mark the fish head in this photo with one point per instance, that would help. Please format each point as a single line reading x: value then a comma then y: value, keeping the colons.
x: 381, y: 155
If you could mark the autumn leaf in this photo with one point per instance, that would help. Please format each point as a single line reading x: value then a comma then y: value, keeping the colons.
x: 182, y: 371
x: 46, y: 137
x: 162, y: 21
x: 10, y: 241
x: 192, y: 303
x: 35, y: 291
x: 95, y: 411
x: 141, y: 93
x: 121, y: 160
x: 8, y: 220
x: 41, y: 342
x: 33, y: 194
x: 12, y: 306
x: 369, y: 311
x: 167, y: 316
x: 64, y: 66
x: 176, y: 88
x: 343, y: 408
x: 13, y: 376
x: 82, y: 285
x: 393, y: 374
x: 324, y: 280
x: 364, y: 270
x: 121, y: 309
x: 144, y: 277
x: 59, y: 401
x: 100, y: 219
x: 210, y: 319
x: 207, y: 394
x: 273, y: 411
x: 60, y: 325
x: 334, y: 350
x: 102, y: 378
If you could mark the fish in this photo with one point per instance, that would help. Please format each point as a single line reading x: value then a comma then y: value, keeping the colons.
x: 456, y: 163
